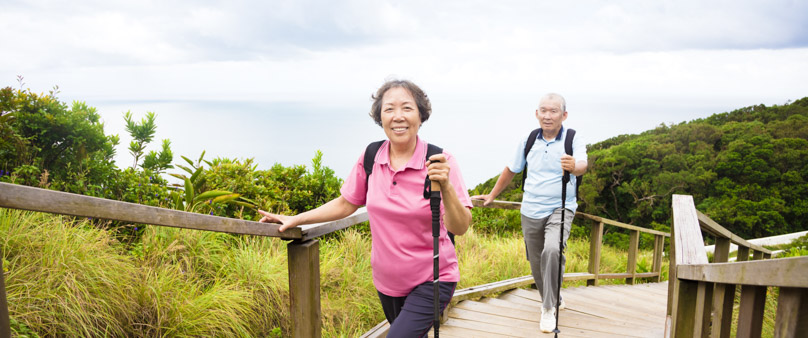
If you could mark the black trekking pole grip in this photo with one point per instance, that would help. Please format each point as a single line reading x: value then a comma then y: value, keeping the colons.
x: 434, y: 205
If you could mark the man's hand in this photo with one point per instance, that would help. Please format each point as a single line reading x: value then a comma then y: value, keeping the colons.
x: 567, y: 163
x: 488, y: 198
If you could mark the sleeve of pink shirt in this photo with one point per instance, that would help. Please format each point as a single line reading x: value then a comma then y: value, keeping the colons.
x: 456, y: 177
x: 354, y: 189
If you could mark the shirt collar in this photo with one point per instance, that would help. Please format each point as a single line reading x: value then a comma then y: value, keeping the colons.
x: 418, y: 160
x: 557, y: 138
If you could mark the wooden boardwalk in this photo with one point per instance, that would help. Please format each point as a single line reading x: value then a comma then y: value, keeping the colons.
x: 599, y: 311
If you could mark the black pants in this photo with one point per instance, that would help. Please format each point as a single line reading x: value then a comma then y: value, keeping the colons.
x: 413, y: 315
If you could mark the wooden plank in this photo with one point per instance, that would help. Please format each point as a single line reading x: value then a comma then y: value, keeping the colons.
x: 750, y: 314
x: 488, y: 322
x: 319, y: 229
x: 783, y: 272
x: 621, y: 275
x: 574, y: 318
x: 686, y: 321
x: 720, y: 232
x: 495, y: 287
x: 609, y: 307
x: 723, y: 294
x: 792, y: 313
x: 35, y: 199
x: 723, y: 302
x: 497, y: 204
x: 631, y: 262
x: 479, y: 291
x: 648, y: 298
x: 5, y: 322
x: 595, y: 245
x: 378, y: 331
x: 621, y: 225
x: 742, y: 254
x: 687, y: 232
x: 631, y: 302
x: 457, y: 329
x: 659, y: 246
x: 304, y: 288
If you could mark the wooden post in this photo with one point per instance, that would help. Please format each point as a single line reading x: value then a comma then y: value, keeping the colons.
x: 723, y: 294
x: 595, y: 243
x: 792, y: 313
x: 5, y: 324
x: 631, y: 264
x: 688, y: 319
x: 304, y: 288
x: 753, y: 303
x: 659, y: 248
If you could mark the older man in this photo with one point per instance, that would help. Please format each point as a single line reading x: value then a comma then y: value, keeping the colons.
x: 541, y: 211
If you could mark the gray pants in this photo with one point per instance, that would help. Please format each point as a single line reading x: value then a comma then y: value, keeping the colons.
x: 541, y: 244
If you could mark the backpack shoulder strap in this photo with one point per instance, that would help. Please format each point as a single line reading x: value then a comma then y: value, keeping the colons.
x: 568, y: 141
x: 568, y: 150
x: 531, y: 139
x: 370, y: 157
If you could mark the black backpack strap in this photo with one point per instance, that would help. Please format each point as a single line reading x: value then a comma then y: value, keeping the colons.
x: 431, y: 149
x: 370, y: 159
x: 530, y: 141
x: 568, y: 150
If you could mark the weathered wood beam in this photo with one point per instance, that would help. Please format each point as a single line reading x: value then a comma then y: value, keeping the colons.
x: 304, y: 288
x: 42, y: 200
x: 792, y: 313
x: 717, y: 230
x: 723, y: 294
x: 318, y: 229
x: 595, y: 245
x: 631, y: 262
x: 783, y: 272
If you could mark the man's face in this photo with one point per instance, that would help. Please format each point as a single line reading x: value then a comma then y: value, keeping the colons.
x: 550, y: 115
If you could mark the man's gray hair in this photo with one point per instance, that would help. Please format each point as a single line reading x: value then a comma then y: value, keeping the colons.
x: 555, y: 97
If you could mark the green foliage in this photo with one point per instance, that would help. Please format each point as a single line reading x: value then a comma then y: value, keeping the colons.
x: 746, y: 169
x: 40, y: 131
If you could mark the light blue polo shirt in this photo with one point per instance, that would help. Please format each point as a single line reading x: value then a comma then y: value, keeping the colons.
x: 543, y: 184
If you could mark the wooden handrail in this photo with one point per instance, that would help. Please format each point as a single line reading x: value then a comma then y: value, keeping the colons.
x: 303, y: 250
x: 701, y: 295
x: 496, y: 204
x: 593, y: 274
x: 710, y: 226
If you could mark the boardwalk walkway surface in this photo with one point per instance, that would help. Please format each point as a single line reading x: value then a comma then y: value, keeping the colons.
x: 599, y: 311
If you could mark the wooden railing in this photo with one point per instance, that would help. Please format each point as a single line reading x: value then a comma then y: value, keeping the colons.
x: 303, y: 250
x: 701, y: 295
x: 593, y: 275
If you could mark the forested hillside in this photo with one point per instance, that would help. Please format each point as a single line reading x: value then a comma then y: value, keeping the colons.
x: 747, y: 169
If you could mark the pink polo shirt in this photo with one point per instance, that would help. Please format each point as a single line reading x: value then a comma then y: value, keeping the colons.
x: 401, y: 221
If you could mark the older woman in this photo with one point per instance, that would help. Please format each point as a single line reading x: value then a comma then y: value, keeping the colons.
x: 400, y: 217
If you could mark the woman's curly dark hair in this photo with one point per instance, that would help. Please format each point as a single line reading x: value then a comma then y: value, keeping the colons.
x: 421, y: 100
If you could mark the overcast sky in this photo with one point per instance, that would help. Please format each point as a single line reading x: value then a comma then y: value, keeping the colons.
x: 277, y: 80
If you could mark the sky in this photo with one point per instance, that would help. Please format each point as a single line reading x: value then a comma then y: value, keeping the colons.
x: 278, y: 80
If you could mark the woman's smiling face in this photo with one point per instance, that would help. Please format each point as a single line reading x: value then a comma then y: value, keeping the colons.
x: 400, y: 116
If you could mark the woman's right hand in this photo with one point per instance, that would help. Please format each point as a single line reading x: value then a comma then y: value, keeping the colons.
x: 285, y: 221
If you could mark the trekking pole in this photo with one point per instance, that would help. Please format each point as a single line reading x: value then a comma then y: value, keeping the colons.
x: 564, y: 180
x: 434, y: 204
